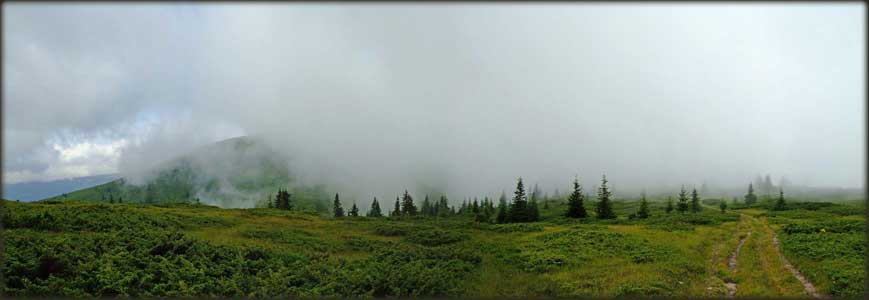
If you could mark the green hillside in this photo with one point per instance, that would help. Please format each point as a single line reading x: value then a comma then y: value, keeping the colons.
x: 71, y: 248
x: 234, y: 173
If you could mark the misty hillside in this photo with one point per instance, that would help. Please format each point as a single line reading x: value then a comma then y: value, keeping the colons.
x: 31, y: 191
x: 234, y: 173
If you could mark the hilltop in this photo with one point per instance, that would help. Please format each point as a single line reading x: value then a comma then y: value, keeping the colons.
x: 239, y: 172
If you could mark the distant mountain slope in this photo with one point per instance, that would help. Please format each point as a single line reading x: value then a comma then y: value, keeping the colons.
x: 31, y: 191
x: 235, y: 173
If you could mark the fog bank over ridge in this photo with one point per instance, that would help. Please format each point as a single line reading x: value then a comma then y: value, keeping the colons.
x: 375, y: 99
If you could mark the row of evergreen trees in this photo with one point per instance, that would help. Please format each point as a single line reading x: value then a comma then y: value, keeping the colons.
x: 521, y: 209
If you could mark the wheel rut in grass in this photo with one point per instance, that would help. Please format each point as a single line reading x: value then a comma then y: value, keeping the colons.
x: 731, y: 264
x: 810, y: 288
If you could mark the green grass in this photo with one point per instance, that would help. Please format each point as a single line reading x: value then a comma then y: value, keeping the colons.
x: 91, y: 249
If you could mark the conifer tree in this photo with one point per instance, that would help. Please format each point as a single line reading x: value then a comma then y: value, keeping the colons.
x: 120, y: 199
x: 490, y: 208
x: 502, y: 210
x: 695, y: 201
x: 111, y: 199
x: 750, y: 198
x: 669, y: 207
x: 425, y: 208
x: 374, y: 212
x: 397, y: 211
x: 722, y: 205
x: 780, y: 203
x: 475, y: 207
x: 269, y: 202
x: 443, y: 207
x: 407, y: 206
x: 354, y: 211
x: 682, y: 206
x: 339, y: 211
x: 534, y: 211
x: 644, y: 207
x: 519, y: 211
x: 604, y: 207
x: 575, y: 202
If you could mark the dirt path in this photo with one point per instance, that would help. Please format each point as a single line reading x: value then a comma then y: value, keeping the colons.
x: 763, y: 268
x: 731, y: 264
x: 810, y: 288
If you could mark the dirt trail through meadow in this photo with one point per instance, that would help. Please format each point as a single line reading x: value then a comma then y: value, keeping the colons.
x: 731, y: 264
x: 760, y: 225
x: 810, y: 288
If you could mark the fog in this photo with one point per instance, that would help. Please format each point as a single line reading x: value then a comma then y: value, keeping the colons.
x: 461, y: 98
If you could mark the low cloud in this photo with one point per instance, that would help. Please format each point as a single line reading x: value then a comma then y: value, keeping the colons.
x: 373, y: 99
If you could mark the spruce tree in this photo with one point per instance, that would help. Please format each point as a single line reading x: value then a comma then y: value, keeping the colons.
x: 722, y: 205
x: 519, y: 211
x: 339, y: 211
x: 669, y: 207
x: 644, y: 207
x: 354, y: 211
x: 604, y: 208
x: 695, y: 201
x: 425, y: 209
x: 750, y: 198
x: 534, y: 211
x: 780, y: 203
x: 536, y: 193
x: 682, y: 206
x: 269, y: 202
x: 443, y: 207
x: 374, y: 212
x: 502, y: 216
x: 575, y: 202
x: 407, y: 206
x: 397, y: 211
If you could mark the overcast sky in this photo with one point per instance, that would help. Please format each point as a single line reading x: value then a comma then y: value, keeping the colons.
x: 469, y: 96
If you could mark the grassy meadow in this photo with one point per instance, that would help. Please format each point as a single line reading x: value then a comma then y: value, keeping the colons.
x: 71, y: 248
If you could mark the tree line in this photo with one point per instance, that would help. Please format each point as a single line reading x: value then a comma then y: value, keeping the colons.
x: 520, y: 209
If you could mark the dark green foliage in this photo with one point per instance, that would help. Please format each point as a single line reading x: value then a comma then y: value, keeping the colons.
x: 407, y: 206
x: 502, y: 210
x: 723, y: 206
x: 695, y: 201
x: 780, y: 202
x: 374, y: 212
x: 575, y: 247
x: 575, y: 202
x: 121, y: 251
x: 838, y: 247
x: 436, y: 237
x: 682, y: 206
x: 669, y: 207
x: 336, y: 207
x: 282, y: 200
x: 443, y: 207
x: 521, y: 210
x: 397, y: 211
x: 604, y: 209
x: 643, y: 212
x: 750, y: 197
x: 354, y: 211
x: 427, y: 209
